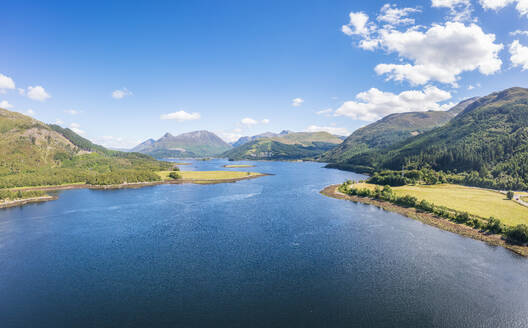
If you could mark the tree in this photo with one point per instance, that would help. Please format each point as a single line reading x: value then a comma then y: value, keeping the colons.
x: 174, y: 175
x: 509, y: 194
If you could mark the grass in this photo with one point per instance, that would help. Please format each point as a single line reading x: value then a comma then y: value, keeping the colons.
x: 238, y: 165
x: 48, y: 186
x: 481, y: 202
x: 209, y: 175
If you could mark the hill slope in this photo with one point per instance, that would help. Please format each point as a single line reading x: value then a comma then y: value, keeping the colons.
x: 192, y: 144
x: 390, y: 130
x: 285, y: 146
x: 34, y: 153
x: 488, y: 140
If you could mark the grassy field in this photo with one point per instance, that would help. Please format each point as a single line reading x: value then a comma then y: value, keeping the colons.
x: 238, y: 165
x: 209, y: 175
x: 481, y: 202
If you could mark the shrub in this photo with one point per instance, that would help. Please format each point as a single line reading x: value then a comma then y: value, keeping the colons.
x: 494, y: 225
x: 509, y: 194
x: 426, y: 206
x: 462, y: 217
x: 175, y: 168
x: 407, y: 200
x: 518, y: 234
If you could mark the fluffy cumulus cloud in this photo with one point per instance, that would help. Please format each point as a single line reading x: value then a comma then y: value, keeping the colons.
x: 5, y: 104
x: 357, y: 24
x: 248, y: 121
x: 180, y: 116
x: 329, y: 129
x: 438, y: 53
x: 519, y: 55
x: 441, y: 53
x: 30, y: 112
x: 296, y: 102
x: 121, y: 93
x: 375, y: 104
x: 265, y: 121
x: 6, y: 83
x: 75, y: 127
x: 37, y: 93
x: 520, y: 5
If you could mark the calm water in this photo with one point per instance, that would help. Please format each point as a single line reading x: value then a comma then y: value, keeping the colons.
x: 268, y: 252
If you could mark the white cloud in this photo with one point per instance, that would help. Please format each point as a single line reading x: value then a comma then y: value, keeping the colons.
x: 116, y: 142
x: 325, y: 111
x: 180, y: 116
x: 460, y: 10
x: 394, y: 16
x: 72, y: 111
x: 449, y: 3
x: 229, y: 136
x: 522, y: 5
x: 121, y: 93
x: 296, y: 102
x: 357, y: 24
x: 440, y: 54
x: 37, y: 93
x: 30, y: 112
x: 21, y: 91
x: 519, y: 55
x: 470, y: 87
x: 75, y: 127
x: 375, y: 104
x: 519, y: 32
x: 58, y: 122
x: 6, y: 83
x: 248, y: 121
x: 329, y: 129
x: 265, y: 121
x: 5, y: 104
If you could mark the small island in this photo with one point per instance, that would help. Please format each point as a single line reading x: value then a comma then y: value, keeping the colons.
x: 206, y: 177
x: 238, y: 166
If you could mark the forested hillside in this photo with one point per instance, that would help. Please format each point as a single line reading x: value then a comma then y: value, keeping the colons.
x: 288, y: 146
x: 391, y: 130
x: 486, y: 144
x: 33, y: 153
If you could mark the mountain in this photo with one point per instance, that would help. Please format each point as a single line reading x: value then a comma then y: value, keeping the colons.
x: 390, y: 130
x: 191, y: 144
x: 487, y: 142
x: 34, y: 153
x: 244, y: 140
x: 286, y: 145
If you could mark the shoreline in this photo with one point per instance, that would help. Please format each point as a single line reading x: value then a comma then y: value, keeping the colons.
x: 21, y: 202
x: 430, y: 219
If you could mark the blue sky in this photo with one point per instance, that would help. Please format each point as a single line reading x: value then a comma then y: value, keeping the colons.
x: 123, y: 72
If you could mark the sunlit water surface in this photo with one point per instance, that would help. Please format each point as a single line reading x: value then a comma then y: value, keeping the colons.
x: 267, y: 252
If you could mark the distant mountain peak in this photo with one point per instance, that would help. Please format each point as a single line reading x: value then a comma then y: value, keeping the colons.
x: 201, y: 143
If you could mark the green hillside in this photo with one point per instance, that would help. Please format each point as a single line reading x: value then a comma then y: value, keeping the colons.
x: 391, y: 130
x: 486, y: 144
x: 33, y: 153
x: 291, y: 146
x: 191, y: 144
